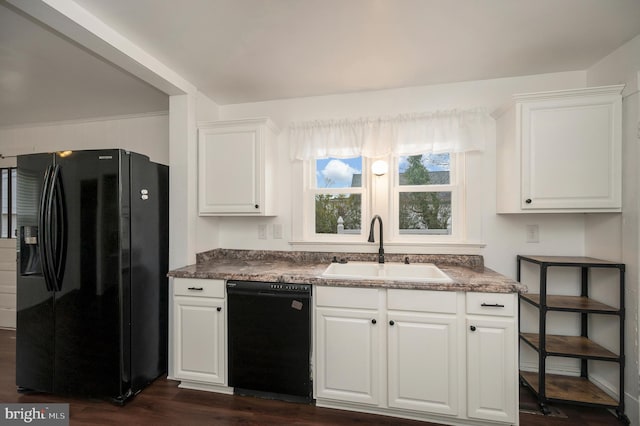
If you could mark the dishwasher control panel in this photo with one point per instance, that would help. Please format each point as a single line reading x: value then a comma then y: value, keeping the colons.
x: 290, y: 287
x: 256, y: 286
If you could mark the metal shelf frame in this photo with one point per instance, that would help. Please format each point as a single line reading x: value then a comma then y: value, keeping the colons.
x: 584, y: 306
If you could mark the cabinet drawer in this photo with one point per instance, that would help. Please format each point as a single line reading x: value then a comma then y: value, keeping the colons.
x: 501, y: 304
x: 198, y: 287
x: 347, y: 297
x: 422, y: 300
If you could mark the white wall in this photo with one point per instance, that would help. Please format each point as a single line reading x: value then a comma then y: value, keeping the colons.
x: 207, y: 228
x: 504, y: 235
x: 617, y: 237
x: 189, y: 233
x: 620, y: 66
x: 145, y: 134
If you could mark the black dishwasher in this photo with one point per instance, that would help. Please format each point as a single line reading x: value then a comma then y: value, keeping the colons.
x: 270, y: 339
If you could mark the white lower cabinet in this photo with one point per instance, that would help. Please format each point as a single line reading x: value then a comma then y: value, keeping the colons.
x: 199, y: 334
x: 492, y: 375
x: 491, y: 382
x: 405, y: 353
x: 348, y: 342
x: 423, y: 362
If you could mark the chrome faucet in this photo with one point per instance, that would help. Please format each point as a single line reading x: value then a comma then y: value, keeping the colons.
x: 371, y: 240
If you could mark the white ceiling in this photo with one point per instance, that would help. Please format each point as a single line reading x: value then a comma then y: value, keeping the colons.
x: 239, y: 51
x: 45, y: 78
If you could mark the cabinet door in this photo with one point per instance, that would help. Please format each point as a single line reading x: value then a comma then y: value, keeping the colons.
x: 423, y: 362
x: 199, y: 339
x: 348, y: 346
x: 492, y: 377
x: 571, y: 153
x: 230, y: 169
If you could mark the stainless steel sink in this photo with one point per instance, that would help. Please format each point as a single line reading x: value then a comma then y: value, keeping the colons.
x: 423, y: 272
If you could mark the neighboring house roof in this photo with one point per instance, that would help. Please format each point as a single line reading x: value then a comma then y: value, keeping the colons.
x: 436, y: 178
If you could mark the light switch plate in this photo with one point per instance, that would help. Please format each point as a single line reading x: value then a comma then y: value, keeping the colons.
x: 533, y: 234
x: 262, y: 232
x: 277, y: 231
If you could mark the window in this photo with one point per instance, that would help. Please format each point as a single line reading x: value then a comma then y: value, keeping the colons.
x: 420, y: 199
x: 423, y: 200
x: 8, y: 202
x: 425, y: 193
x: 336, y: 194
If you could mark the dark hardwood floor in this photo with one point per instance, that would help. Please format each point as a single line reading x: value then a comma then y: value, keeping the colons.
x: 163, y: 403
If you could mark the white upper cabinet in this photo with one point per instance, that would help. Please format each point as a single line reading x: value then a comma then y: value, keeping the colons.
x: 236, y: 167
x: 561, y: 152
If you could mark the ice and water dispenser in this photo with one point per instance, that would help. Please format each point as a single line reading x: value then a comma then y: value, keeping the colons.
x: 29, y: 253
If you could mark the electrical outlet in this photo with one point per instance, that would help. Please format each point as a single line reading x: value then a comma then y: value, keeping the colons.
x: 277, y: 231
x: 262, y: 232
x: 533, y: 234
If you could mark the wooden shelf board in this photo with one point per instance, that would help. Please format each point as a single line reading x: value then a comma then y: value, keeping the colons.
x: 576, y: 303
x: 570, y: 345
x: 569, y: 388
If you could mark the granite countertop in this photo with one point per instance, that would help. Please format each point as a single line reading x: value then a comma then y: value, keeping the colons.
x: 467, y: 271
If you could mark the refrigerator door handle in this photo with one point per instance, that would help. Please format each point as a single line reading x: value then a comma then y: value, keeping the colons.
x: 59, y: 229
x: 50, y: 242
x: 43, y: 229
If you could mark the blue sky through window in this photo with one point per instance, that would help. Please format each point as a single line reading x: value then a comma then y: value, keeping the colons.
x: 338, y: 172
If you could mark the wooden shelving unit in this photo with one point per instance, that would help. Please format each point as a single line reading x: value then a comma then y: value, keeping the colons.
x: 567, y: 389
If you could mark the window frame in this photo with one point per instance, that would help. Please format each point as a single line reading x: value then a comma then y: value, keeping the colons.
x: 455, y: 187
x: 386, y: 203
x: 309, y: 197
x: 12, y: 216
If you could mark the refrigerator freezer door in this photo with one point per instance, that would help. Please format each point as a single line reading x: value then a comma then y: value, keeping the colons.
x: 35, y: 303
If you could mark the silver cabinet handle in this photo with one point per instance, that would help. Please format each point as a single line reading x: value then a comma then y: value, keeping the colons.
x: 492, y: 305
x: 195, y: 288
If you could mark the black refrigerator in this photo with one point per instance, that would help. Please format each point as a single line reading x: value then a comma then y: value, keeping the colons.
x: 91, y: 273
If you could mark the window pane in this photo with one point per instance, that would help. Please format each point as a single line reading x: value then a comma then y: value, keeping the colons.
x: 338, y: 213
x: 425, y: 213
x: 339, y: 173
x: 14, y: 216
x: 4, y: 202
x: 425, y: 169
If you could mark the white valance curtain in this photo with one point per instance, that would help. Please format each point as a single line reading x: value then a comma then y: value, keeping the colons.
x: 406, y: 134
